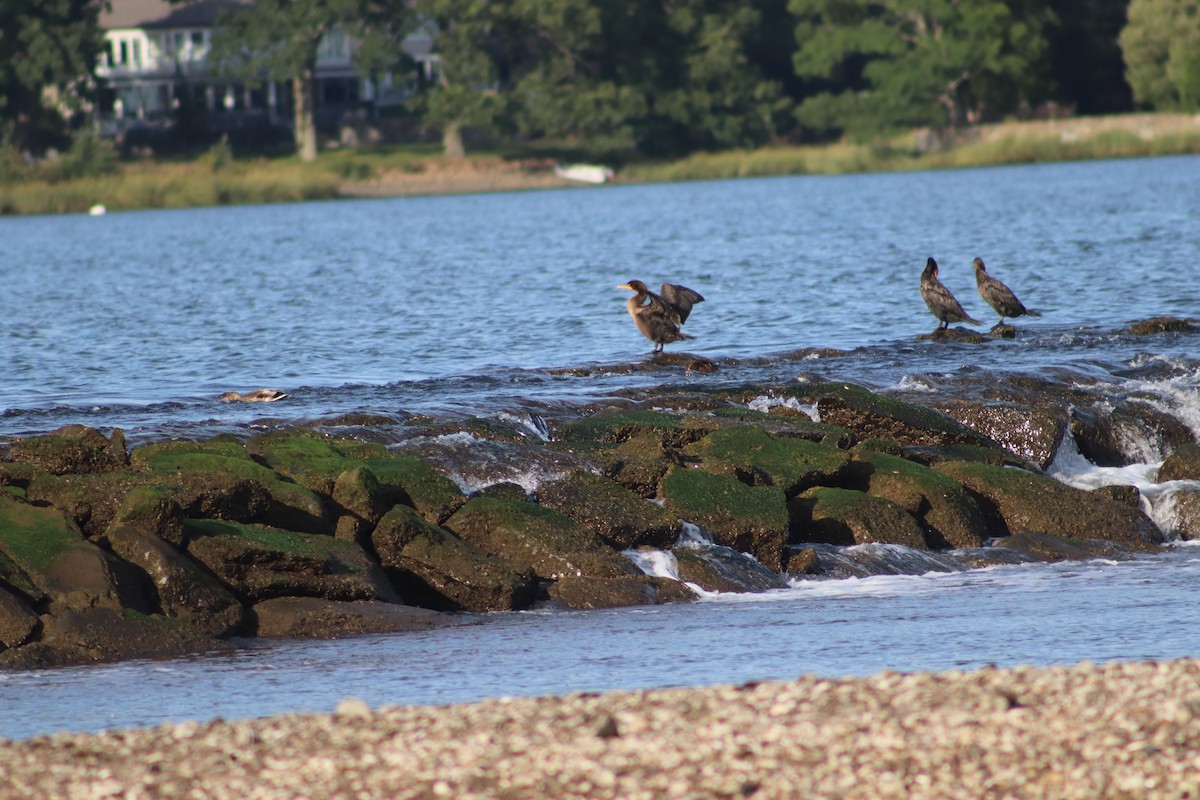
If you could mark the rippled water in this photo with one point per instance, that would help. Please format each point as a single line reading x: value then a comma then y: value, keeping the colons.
x: 506, y: 305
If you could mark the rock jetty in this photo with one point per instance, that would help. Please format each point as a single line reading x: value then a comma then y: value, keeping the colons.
x: 172, y: 547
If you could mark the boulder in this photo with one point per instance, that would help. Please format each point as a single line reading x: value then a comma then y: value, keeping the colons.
x: 359, y: 492
x: 317, y: 618
x: 183, y: 589
x: 951, y: 515
x: 722, y: 569
x: 663, y: 429
x: 259, y: 563
x: 1182, y: 465
x: 318, y: 462
x: 526, y: 536
x: 222, y: 464
x: 1116, y: 433
x: 619, y: 517
x: 107, y: 634
x: 1178, y: 511
x: 1026, y: 501
x: 846, y: 517
x: 154, y: 510
x: 750, y: 519
x: 18, y: 622
x: 756, y: 458
x: 1154, y: 325
x: 584, y: 592
x: 1033, y: 431
x: 433, y: 568
x: 91, y: 500
x: 73, y: 449
x: 1034, y: 546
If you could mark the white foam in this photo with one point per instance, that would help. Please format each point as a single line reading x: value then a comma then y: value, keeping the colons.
x: 656, y: 563
x: 530, y: 422
x: 765, y: 402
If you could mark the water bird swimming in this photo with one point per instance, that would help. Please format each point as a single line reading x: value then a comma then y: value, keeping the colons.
x: 257, y: 396
x: 659, y: 317
x: 941, y: 302
x: 999, y: 296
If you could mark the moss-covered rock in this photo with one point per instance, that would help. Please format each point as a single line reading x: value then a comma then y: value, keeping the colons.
x: 317, y: 463
x: 19, y: 623
x: 584, y: 592
x: 528, y: 536
x: 1030, y: 502
x: 91, y: 500
x: 51, y: 552
x: 358, y: 491
x: 222, y: 463
x: 1154, y: 325
x: 847, y: 517
x: 73, y: 449
x: 259, y: 562
x: 182, y: 588
x: 666, y: 429
x: 750, y: 519
x: 433, y: 568
x: 723, y: 569
x: 317, y: 618
x: 153, y: 509
x: 759, y: 459
x: 951, y: 515
x: 619, y: 517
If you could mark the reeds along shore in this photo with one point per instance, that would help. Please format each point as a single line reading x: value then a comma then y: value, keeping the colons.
x: 217, y: 178
x: 1109, y: 731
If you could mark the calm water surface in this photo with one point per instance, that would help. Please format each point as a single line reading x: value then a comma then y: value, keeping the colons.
x: 506, y: 304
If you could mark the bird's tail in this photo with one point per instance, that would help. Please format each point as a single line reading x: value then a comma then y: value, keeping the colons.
x: 972, y: 321
x: 1032, y: 312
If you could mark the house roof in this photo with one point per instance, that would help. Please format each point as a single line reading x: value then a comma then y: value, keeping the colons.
x: 164, y: 14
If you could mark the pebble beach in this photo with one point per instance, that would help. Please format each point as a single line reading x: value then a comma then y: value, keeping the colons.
x: 1087, y: 731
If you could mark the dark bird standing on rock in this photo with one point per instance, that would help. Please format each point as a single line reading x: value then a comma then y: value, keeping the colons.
x: 659, y: 317
x: 939, y: 299
x: 999, y: 296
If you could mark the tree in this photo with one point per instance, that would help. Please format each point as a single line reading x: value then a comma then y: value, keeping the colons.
x: 1161, y: 45
x: 278, y: 40
x: 45, y: 46
x: 941, y: 63
x: 1087, y: 68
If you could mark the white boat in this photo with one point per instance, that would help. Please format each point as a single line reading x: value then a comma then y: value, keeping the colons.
x: 97, y: 210
x: 584, y: 173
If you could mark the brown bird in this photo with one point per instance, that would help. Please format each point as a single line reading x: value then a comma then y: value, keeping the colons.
x: 999, y: 296
x: 939, y: 299
x: 659, y: 317
x: 257, y: 396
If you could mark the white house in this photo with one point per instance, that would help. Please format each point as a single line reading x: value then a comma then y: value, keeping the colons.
x: 154, y: 73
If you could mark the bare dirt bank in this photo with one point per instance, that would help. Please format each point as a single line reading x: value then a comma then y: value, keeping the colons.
x: 1115, y: 730
x: 442, y: 176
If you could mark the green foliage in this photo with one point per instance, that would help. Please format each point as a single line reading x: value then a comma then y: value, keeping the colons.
x: 89, y: 157
x: 905, y: 63
x: 1161, y: 44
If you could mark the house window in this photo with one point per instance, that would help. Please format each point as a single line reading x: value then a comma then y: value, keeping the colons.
x: 136, y: 51
x: 122, y: 52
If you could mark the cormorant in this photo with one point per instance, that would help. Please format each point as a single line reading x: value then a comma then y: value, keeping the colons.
x: 999, y: 296
x: 939, y: 299
x: 659, y: 317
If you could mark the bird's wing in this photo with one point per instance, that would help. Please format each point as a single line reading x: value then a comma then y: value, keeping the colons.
x: 657, y: 306
x: 681, y: 299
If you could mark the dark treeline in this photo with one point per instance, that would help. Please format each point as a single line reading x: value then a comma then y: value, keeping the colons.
x: 669, y: 77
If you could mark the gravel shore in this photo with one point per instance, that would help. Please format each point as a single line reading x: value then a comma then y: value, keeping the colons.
x: 1089, y: 731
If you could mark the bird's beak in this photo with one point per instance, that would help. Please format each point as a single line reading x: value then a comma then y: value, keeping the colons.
x: 625, y: 286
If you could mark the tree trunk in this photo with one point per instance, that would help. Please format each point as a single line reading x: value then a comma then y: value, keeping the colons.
x: 452, y: 141
x: 305, y: 119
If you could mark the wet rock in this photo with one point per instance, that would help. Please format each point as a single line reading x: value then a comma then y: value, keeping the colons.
x: 803, y: 561
x: 1178, y: 511
x: 960, y: 334
x: 619, y: 517
x: 1155, y: 325
x: 528, y: 536
x: 584, y: 592
x: 18, y: 622
x: 316, y: 463
x: 875, y: 416
x: 750, y: 519
x: 845, y: 517
x: 433, y: 568
x: 259, y: 563
x: 665, y: 429
x: 929, y: 456
x: 210, y: 474
x: 92, y: 500
x: 17, y: 580
x: 1030, y: 502
x: 1124, y: 493
x: 1123, y: 432
x: 73, y: 449
x: 758, y: 459
x: 505, y: 490
x: 723, y: 569
x: 107, y: 634
x: 1044, y: 547
x: 182, y: 588
x: 317, y: 618
x: 1182, y: 465
x: 1033, y: 431
x: 51, y: 552
x: 359, y: 492
x: 951, y: 515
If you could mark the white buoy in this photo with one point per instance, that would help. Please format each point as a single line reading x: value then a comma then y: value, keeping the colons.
x: 97, y: 210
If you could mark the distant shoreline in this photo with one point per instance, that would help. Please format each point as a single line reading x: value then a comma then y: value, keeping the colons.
x: 1085, y: 731
x: 402, y: 170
